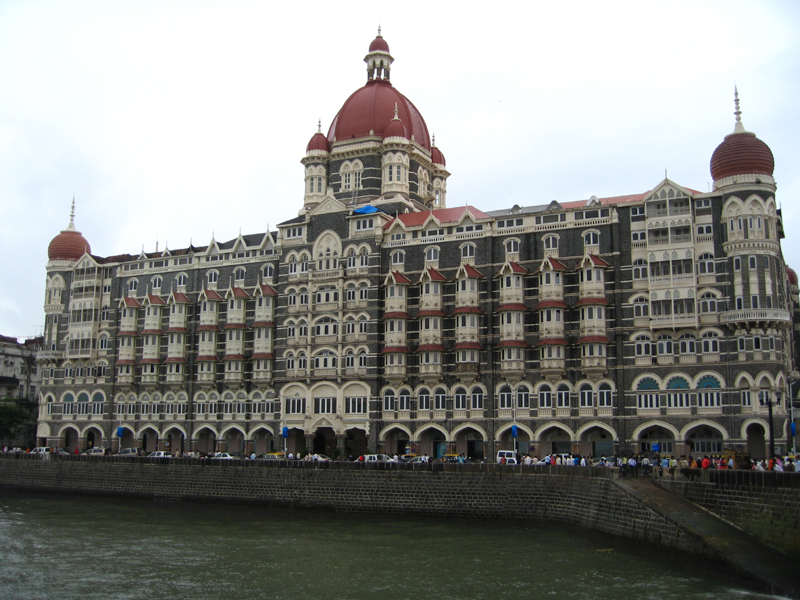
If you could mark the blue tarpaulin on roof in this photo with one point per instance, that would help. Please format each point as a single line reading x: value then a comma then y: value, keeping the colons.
x: 365, y: 210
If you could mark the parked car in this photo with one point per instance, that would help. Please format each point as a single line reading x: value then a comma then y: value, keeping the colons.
x: 509, y: 455
x: 377, y: 458
x: 129, y: 452
x: 321, y: 457
x: 274, y: 456
x: 223, y: 456
x: 62, y: 452
x: 160, y: 454
x: 417, y: 459
x: 95, y: 452
x: 42, y: 450
x: 238, y: 455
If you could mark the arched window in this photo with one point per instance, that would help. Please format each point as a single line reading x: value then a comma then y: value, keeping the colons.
x: 551, y: 242
x: 468, y: 251
x: 641, y: 307
x: 710, y: 342
x: 424, y: 399
x: 705, y: 264
x: 512, y: 246
x: 156, y: 283
x: 523, y: 397
x: 605, y: 396
x: 432, y: 254
x: 133, y: 284
x: 389, y: 400
x: 647, y: 393
x: 398, y: 258
x: 212, y: 276
x: 664, y: 345
x: 505, y: 397
x: 545, y: 396
x: 268, y: 272
x: 460, y: 399
x: 562, y: 396
x: 586, y: 396
x: 643, y: 346
x: 640, y: 269
x: 688, y: 344
x: 181, y: 280
x: 238, y: 274
x: 591, y: 238
x: 678, y: 396
x: 709, y: 395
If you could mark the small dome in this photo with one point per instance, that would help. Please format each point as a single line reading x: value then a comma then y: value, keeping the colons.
x: 68, y: 245
x: 318, y: 142
x: 437, y: 157
x: 792, y: 275
x: 379, y: 44
x: 741, y: 154
x: 395, y: 127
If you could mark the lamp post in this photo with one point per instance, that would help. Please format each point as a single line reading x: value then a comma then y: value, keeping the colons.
x: 766, y: 400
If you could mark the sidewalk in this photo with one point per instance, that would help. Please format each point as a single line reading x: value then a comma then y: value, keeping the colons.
x: 762, y: 563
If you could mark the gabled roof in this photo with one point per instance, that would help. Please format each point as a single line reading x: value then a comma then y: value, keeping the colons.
x: 597, y: 261
x: 211, y: 294
x: 238, y: 292
x: 153, y: 299
x: 441, y: 216
x: 470, y: 271
x: 267, y: 290
x: 554, y: 264
x: 514, y: 267
x: 398, y: 277
x: 133, y: 302
x: 433, y: 274
x: 181, y: 298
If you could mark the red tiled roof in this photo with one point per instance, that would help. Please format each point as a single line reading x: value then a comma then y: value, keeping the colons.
x: 263, y: 324
x: 517, y: 268
x: 181, y: 298
x: 235, y: 326
x: 132, y: 302
x: 126, y: 362
x: 550, y: 304
x: 239, y: 293
x: 155, y: 299
x: 430, y: 348
x: 435, y: 275
x: 212, y: 295
x: 400, y: 278
x: 267, y: 355
x: 397, y: 315
x: 552, y: 342
x: 431, y: 313
x: 177, y: 330
x: 441, y: 216
x: 176, y: 359
x: 610, y: 200
x: 468, y: 346
x: 598, y: 261
x: 473, y: 273
x: 511, y: 306
x: 585, y: 301
x: 233, y: 357
x: 394, y: 350
x: 512, y: 344
x: 150, y: 361
x: 468, y: 310
x: 128, y: 332
x: 206, y: 358
x: 208, y: 328
x: 594, y: 339
x: 152, y: 332
x: 556, y: 265
x: 268, y: 290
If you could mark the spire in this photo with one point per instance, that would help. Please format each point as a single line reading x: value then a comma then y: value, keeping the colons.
x: 739, y: 127
x: 71, y: 226
x: 396, y: 118
x: 319, y: 126
x: 378, y: 59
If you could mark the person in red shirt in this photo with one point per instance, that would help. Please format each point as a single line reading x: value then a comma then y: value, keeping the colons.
x: 706, y: 462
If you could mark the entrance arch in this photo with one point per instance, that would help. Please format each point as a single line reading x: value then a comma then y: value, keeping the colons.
x: 233, y: 438
x: 94, y: 437
x: 657, y: 438
x: 174, y: 440
x: 704, y: 439
x: 396, y: 440
x: 596, y: 439
x: 325, y: 441
x: 470, y: 441
x: 149, y: 437
x: 355, y: 443
x: 433, y: 442
x: 263, y: 441
x: 554, y: 438
x: 70, y: 438
x: 756, y: 441
x: 206, y: 440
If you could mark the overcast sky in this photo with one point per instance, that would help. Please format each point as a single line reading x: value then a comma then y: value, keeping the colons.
x: 174, y: 121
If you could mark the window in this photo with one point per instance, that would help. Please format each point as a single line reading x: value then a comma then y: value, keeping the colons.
x: 737, y: 264
x: 356, y: 405
x: 468, y: 251
x: 637, y: 211
x: 388, y: 401
x: 432, y: 254
x: 268, y: 272
x: 640, y: 269
x: 294, y: 232
x: 365, y: 224
x: 460, y: 399
x: 440, y: 400
x: 551, y: 242
x: 586, y: 394
x: 512, y: 247
x: 706, y: 264
x: 562, y: 396
x: 639, y: 236
x: 132, y: 285
x: 604, y: 396
x: 212, y: 277
x: 398, y: 258
x: 591, y: 238
x: 710, y: 343
x: 156, y: 283
x: 238, y: 274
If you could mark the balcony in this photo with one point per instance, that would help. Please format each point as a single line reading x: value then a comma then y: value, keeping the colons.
x: 765, y: 315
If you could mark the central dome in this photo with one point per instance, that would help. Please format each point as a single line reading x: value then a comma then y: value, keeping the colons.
x: 370, y: 109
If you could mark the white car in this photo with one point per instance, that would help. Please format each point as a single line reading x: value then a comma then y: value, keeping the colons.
x: 223, y: 456
x: 160, y: 454
x: 95, y: 452
x: 42, y: 450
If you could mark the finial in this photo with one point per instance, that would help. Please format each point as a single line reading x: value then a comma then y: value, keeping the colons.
x: 319, y: 126
x: 379, y: 30
x: 665, y: 173
x: 739, y: 127
x: 72, y: 212
x: 433, y: 142
x: 396, y: 118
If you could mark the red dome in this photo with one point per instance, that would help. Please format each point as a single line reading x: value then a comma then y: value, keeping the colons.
x: 379, y: 45
x: 318, y: 142
x: 68, y: 245
x: 741, y: 154
x: 369, y: 110
x: 395, y: 129
x: 437, y: 157
x: 792, y: 275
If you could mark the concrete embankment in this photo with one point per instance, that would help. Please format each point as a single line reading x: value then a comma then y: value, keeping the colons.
x: 587, y: 497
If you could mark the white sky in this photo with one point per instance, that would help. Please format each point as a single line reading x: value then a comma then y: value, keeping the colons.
x: 171, y: 121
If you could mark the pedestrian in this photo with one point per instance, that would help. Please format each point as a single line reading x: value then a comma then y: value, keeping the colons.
x: 76, y: 449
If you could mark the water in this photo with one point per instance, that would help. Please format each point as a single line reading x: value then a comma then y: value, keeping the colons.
x: 71, y: 548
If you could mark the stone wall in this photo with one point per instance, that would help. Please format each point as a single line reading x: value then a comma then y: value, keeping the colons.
x: 765, y: 504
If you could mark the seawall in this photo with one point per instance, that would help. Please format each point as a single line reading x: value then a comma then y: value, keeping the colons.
x: 766, y: 507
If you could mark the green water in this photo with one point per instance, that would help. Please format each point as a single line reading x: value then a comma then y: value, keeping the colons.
x: 70, y: 548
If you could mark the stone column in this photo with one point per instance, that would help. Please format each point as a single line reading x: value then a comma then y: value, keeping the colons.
x: 309, y: 441
x: 341, y: 438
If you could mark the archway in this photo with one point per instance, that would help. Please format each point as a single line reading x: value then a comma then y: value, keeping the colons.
x: 263, y: 441
x: 149, y: 440
x: 355, y: 443
x: 234, y: 441
x: 296, y: 442
x: 596, y: 441
x: 756, y: 441
x: 128, y: 439
x: 396, y: 442
x: 325, y: 441
x: 70, y: 439
x: 94, y: 438
x: 470, y: 442
x: 174, y: 441
x: 523, y: 440
x: 555, y: 440
x: 206, y: 441
x: 433, y: 443
x: 704, y: 440
x: 657, y: 439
